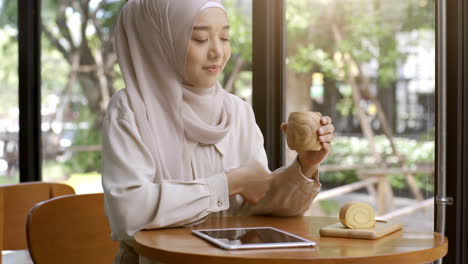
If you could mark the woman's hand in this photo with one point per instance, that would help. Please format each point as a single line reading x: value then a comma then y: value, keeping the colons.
x: 310, y: 160
x: 251, y: 180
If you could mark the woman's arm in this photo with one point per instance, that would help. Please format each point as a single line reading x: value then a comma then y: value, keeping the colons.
x: 290, y: 192
x: 133, y: 201
x: 251, y: 181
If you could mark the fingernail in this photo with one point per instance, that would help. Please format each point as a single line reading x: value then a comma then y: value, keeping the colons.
x: 321, y: 131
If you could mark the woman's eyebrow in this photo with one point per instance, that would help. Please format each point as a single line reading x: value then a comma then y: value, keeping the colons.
x: 207, y: 27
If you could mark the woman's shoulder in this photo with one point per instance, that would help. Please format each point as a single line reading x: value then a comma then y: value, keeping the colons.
x: 119, y: 98
x: 119, y: 106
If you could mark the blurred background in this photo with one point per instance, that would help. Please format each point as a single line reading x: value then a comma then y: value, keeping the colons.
x: 368, y: 64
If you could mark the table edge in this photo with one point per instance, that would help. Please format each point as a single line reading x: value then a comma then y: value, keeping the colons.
x: 176, y: 257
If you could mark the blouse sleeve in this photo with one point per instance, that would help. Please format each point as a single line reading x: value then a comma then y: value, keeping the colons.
x: 133, y: 201
x: 291, y: 192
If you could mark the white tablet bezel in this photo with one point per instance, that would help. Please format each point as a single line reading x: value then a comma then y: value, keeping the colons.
x: 304, y: 243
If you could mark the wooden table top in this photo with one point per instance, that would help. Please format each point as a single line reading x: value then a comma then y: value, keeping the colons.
x: 178, y: 245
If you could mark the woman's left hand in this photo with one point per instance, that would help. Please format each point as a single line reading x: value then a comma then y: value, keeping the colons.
x: 310, y: 160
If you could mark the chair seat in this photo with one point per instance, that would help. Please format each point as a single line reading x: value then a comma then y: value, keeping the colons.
x: 16, y: 257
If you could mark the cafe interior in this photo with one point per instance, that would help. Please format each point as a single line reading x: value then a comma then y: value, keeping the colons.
x: 391, y: 75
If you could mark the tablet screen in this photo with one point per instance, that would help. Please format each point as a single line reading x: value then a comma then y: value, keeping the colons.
x: 252, y: 237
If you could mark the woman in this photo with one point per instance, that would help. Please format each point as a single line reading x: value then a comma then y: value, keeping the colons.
x: 177, y: 148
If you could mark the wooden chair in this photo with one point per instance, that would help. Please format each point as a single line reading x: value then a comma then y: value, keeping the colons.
x: 70, y: 229
x: 15, y: 202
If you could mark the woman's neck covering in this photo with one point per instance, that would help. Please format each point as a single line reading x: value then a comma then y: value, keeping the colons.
x: 152, y: 38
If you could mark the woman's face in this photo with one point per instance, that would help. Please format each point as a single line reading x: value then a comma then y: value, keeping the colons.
x: 209, y: 48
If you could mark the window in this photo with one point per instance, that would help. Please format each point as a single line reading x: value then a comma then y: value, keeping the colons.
x: 79, y: 75
x: 370, y: 66
x: 237, y: 76
x: 9, y: 112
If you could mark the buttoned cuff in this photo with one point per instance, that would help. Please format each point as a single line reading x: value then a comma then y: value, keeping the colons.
x: 308, y: 185
x: 219, y: 195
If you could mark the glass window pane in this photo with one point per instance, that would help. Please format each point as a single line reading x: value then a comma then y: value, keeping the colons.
x: 9, y: 113
x: 370, y: 66
x: 80, y: 73
x: 237, y: 76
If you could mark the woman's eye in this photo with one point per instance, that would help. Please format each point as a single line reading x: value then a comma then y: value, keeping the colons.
x: 225, y: 39
x: 200, y: 40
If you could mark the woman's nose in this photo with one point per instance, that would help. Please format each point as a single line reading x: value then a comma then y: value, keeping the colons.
x: 215, y: 51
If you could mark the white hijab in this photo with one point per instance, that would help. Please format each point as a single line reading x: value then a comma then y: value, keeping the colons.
x: 152, y: 38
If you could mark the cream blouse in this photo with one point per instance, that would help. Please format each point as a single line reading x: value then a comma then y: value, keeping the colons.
x: 133, y: 201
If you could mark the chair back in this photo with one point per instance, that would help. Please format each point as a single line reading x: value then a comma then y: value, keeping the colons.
x: 70, y: 229
x: 15, y: 202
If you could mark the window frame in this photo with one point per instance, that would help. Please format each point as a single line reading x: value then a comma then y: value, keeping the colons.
x: 268, y: 69
x: 456, y: 224
x: 29, y: 73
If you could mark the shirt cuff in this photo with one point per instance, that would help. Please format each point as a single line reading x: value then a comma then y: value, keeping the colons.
x: 219, y: 195
x: 308, y: 185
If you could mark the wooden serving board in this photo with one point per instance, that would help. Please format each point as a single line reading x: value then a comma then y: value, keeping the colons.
x: 381, y: 229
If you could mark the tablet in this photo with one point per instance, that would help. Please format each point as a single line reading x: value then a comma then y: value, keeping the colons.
x: 252, y: 237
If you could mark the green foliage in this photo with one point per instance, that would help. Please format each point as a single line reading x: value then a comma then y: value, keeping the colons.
x: 308, y: 57
x: 8, y: 12
x: 329, y: 207
x: 14, y: 180
x: 8, y: 71
x: 345, y: 106
x: 89, y: 182
x: 240, y: 22
x: 54, y: 71
x: 364, y: 30
x: 300, y: 19
x: 420, y: 15
x: 83, y: 162
x: 240, y: 28
x: 54, y: 171
x: 354, y: 151
x: 109, y: 12
x: 244, y: 84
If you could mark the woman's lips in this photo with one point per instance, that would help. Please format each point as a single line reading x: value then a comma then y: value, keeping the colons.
x: 212, y: 69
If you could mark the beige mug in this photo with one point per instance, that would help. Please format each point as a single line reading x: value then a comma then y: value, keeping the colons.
x: 301, y: 131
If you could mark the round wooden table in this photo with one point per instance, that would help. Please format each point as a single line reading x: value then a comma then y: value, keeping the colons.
x: 178, y: 245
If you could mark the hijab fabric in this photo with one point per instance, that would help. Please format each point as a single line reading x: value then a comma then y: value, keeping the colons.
x: 151, y: 40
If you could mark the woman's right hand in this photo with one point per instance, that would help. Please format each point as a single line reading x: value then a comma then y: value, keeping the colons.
x: 252, y: 180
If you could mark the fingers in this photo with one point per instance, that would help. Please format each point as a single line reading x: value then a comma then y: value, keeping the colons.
x: 325, y: 120
x: 327, y: 146
x: 325, y: 132
x: 327, y: 129
x: 326, y: 138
